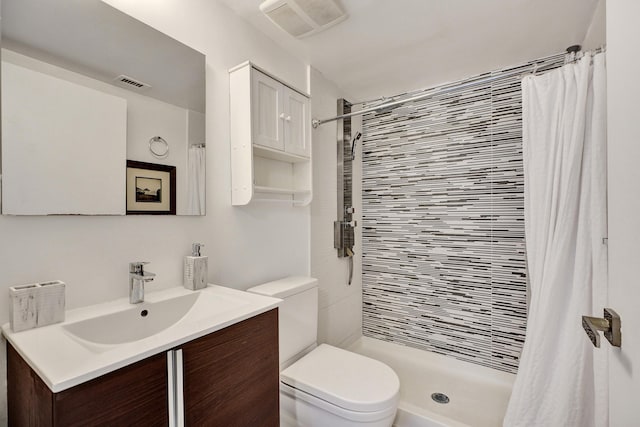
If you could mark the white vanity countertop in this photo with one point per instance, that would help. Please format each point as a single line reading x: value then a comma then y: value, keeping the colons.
x: 62, y: 360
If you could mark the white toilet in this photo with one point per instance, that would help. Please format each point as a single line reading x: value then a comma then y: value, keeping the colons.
x: 323, y: 385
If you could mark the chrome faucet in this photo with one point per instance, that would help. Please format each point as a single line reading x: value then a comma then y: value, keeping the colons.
x: 137, y: 278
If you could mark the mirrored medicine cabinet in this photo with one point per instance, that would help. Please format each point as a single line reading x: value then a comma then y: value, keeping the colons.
x: 101, y: 114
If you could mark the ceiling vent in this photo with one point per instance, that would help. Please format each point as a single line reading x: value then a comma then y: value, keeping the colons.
x: 131, y: 83
x: 301, y: 18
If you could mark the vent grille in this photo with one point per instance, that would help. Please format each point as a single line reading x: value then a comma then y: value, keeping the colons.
x: 131, y: 83
x: 301, y: 18
x: 321, y: 11
x: 288, y: 18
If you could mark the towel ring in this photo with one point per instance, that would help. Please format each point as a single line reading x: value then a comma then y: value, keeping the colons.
x: 159, y: 147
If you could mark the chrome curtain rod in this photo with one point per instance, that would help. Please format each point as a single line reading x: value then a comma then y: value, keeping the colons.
x: 445, y: 89
x: 430, y: 92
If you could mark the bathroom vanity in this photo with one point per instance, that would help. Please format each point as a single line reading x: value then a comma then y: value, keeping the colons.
x: 224, y: 373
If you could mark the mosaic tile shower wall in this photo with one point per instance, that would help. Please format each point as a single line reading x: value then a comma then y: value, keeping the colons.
x: 443, y: 223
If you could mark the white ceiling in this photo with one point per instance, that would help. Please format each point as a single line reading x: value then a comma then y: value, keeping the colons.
x: 386, y: 47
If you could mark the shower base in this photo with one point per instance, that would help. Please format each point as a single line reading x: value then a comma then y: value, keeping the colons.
x: 477, y: 396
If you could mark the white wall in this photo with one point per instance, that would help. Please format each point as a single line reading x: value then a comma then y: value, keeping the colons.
x: 340, y: 309
x: 623, y: 92
x: 596, y: 34
x: 246, y: 245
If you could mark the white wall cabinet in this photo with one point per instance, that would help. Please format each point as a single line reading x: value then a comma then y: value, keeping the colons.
x: 270, y: 138
x: 297, y: 122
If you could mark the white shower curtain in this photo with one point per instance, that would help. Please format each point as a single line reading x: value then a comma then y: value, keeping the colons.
x: 195, y: 180
x: 562, y: 379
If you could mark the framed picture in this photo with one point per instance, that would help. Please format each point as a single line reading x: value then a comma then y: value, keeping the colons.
x: 151, y: 189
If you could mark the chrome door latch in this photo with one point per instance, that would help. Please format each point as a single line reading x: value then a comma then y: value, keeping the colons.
x: 610, y: 325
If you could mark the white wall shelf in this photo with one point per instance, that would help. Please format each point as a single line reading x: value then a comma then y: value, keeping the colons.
x: 275, y: 190
x: 270, y: 153
x: 270, y: 138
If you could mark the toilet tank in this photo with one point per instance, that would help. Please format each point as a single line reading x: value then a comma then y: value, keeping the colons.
x: 297, y: 315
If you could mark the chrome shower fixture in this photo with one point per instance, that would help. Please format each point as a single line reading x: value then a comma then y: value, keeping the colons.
x: 353, y: 145
x: 344, y: 227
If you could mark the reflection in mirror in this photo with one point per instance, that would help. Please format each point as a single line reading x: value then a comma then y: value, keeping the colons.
x: 86, y: 88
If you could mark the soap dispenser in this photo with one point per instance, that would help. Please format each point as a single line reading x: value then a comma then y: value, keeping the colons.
x: 195, y: 269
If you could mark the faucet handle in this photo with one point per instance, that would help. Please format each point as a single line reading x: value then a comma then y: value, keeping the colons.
x: 137, y: 267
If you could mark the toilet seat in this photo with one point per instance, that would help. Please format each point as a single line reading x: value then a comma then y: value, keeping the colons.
x: 345, y: 383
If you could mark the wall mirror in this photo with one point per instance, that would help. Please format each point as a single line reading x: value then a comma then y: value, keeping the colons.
x: 101, y: 114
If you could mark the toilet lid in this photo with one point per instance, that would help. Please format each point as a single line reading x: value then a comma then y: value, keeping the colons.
x: 345, y: 379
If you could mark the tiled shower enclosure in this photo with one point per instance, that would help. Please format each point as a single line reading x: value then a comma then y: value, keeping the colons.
x: 443, y: 222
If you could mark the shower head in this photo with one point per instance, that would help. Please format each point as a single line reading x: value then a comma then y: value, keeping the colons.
x: 353, y: 145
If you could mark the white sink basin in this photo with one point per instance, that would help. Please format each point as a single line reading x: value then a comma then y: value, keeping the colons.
x: 138, y: 322
x: 101, y: 338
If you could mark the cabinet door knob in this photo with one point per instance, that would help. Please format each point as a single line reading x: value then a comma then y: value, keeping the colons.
x: 288, y: 118
x: 282, y: 116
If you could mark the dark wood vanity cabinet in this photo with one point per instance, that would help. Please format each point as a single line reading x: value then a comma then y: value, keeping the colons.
x: 230, y: 378
x: 133, y: 395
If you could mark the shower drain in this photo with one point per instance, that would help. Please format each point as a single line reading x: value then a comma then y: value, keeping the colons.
x: 440, y: 398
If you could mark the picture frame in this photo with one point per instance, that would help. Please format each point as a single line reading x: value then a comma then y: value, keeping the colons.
x: 151, y: 188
